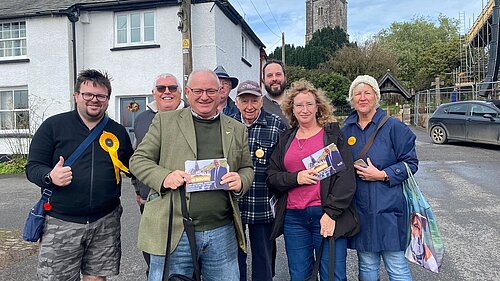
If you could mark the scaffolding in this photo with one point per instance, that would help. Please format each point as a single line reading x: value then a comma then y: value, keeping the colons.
x: 480, y: 51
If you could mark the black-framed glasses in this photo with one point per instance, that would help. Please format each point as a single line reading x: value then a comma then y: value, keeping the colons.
x: 199, y: 92
x: 90, y: 96
x: 163, y: 88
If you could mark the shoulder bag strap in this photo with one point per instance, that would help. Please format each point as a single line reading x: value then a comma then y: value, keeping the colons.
x: 372, y: 137
x: 331, y: 260
x: 189, y: 228
x: 47, y: 191
x: 166, y: 266
x: 90, y: 138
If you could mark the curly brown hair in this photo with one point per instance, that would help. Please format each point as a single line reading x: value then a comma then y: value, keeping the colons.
x: 325, y: 109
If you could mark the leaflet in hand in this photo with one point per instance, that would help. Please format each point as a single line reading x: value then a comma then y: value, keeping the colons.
x: 326, y: 161
x: 206, y: 174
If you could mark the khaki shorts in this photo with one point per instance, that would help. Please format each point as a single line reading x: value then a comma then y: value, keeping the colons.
x: 67, y: 248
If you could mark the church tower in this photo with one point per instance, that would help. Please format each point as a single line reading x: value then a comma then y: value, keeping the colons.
x: 324, y: 13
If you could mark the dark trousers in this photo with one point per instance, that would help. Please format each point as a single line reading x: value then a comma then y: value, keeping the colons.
x: 262, y: 253
x: 146, y: 255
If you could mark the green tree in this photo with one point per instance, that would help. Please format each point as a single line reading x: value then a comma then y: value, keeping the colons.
x: 439, y: 59
x: 373, y: 59
x: 335, y: 85
x: 323, y: 44
x: 413, y: 42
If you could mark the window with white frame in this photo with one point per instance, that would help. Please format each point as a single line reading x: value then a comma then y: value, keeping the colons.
x: 14, y: 111
x: 12, y: 39
x: 244, y: 46
x: 135, y: 28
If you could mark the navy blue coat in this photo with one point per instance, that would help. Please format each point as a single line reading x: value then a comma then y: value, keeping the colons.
x: 381, y: 206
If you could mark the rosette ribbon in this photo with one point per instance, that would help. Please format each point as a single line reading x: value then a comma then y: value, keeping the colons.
x: 110, y: 143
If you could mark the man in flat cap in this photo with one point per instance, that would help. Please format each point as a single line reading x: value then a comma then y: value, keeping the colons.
x: 256, y: 213
x: 227, y: 83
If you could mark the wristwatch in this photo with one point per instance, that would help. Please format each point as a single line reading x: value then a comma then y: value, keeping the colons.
x: 386, y: 177
x: 47, y: 179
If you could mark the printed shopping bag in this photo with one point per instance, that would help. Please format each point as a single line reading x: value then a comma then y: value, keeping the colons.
x: 425, y: 246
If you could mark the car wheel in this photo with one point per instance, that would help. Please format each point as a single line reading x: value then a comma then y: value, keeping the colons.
x: 438, y: 135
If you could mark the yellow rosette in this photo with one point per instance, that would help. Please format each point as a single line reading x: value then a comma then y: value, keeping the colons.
x: 110, y: 143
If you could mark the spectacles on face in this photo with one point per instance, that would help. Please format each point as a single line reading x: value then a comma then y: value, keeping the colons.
x: 308, y: 105
x: 199, y: 92
x: 90, y: 96
x: 225, y: 84
x: 162, y: 88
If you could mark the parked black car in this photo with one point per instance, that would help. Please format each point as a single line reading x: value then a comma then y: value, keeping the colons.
x: 474, y: 121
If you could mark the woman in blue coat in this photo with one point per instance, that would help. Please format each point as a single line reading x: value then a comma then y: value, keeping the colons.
x: 379, y: 198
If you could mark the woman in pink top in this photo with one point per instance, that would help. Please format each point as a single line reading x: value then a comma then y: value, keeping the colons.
x: 308, y: 209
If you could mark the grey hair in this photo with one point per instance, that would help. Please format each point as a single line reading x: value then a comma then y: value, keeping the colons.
x: 206, y: 70
x: 167, y: 75
x: 367, y: 80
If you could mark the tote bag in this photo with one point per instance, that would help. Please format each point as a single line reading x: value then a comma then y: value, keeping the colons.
x: 425, y: 245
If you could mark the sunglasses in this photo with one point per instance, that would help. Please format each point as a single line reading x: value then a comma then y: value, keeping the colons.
x: 163, y: 88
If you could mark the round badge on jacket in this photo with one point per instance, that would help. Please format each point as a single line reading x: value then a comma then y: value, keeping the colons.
x: 351, y: 140
x: 259, y: 153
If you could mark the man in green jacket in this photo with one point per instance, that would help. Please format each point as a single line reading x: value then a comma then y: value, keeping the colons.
x: 196, y: 133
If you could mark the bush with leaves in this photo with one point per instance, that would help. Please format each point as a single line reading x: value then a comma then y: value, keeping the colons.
x: 14, y: 166
x: 335, y: 85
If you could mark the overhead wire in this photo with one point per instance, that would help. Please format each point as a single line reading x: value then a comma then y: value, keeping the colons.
x: 244, y: 14
x: 267, y: 3
x: 263, y: 20
x: 275, y: 44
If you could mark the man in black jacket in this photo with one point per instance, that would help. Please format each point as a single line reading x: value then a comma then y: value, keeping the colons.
x: 82, y: 229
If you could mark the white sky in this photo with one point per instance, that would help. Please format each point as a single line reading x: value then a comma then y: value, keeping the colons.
x: 364, y: 17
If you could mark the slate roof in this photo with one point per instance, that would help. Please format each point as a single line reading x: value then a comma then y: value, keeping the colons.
x: 390, y: 84
x: 12, y: 9
x: 22, y: 8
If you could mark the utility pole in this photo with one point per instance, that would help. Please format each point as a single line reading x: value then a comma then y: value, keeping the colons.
x: 283, y: 47
x: 185, y: 27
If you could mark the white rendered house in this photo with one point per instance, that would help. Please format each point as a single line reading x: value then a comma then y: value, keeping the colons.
x: 44, y: 44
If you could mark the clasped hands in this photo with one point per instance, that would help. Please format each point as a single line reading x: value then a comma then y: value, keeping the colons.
x: 177, y: 178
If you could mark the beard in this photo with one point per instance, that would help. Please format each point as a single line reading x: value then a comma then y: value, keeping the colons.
x: 278, y: 92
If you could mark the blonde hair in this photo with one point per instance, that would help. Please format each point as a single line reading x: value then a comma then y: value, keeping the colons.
x: 325, y: 109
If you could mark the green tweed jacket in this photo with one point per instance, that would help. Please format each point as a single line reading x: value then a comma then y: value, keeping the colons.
x: 169, y: 142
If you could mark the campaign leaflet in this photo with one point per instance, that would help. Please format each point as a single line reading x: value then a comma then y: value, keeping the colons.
x: 206, y: 174
x: 326, y: 161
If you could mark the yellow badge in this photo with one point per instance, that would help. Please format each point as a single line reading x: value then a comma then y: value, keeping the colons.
x: 259, y: 153
x: 109, y: 142
x: 351, y: 140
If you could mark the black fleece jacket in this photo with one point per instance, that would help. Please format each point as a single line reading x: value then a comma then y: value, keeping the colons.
x: 93, y: 192
x: 336, y: 191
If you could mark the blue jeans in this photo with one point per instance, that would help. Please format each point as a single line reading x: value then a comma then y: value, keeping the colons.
x: 217, y: 251
x: 302, y: 239
x: 394, y: 261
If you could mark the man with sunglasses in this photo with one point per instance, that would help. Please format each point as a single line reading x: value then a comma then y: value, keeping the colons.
x: 196, y: 133
x: 227, y: 83
x: 167, y: 96
x: 82, y: 228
